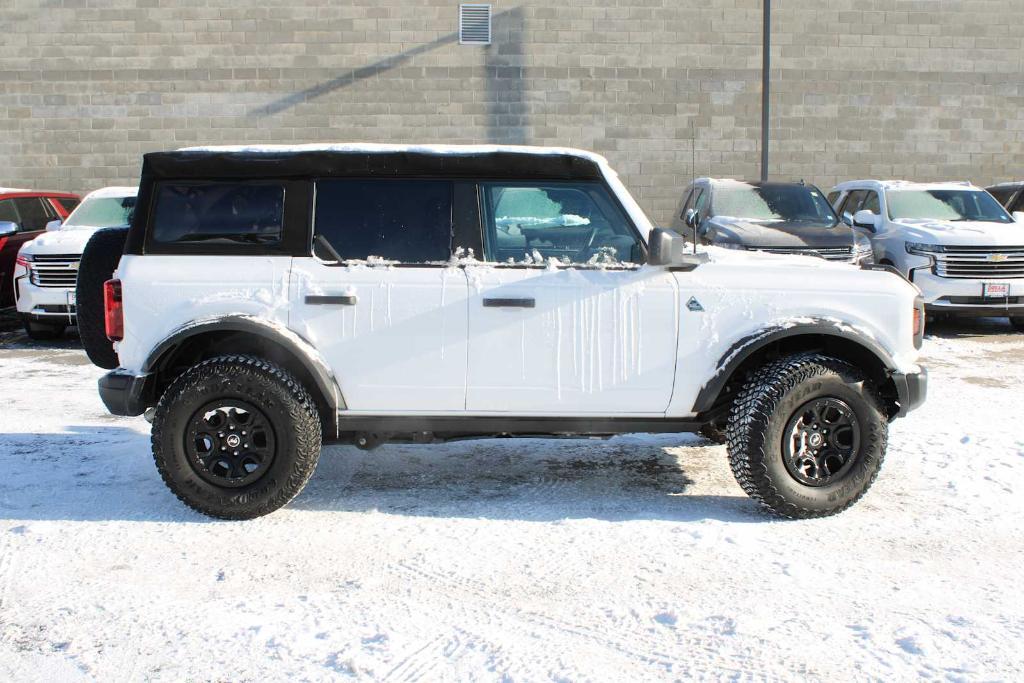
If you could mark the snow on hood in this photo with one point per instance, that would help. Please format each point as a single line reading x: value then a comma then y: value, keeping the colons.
x: 754, y: 232
x: 969, y: 233
x: 60, y: 242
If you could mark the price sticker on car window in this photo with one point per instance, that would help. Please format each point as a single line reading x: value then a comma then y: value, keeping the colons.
x: 995, y: 290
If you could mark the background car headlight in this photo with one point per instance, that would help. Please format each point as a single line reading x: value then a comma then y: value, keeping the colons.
x: 862, y: 250
x: 924, y: 249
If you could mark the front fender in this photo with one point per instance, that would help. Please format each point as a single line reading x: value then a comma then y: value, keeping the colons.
x: 743, y: 349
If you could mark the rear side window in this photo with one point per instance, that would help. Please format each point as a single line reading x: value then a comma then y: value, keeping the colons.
x: 404, y: 220
x: 218, y: 213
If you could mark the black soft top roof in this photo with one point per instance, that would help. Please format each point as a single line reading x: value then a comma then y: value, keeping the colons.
x: 225, y: 164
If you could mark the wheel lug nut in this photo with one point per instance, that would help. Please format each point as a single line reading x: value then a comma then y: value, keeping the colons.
x: 236, y: 452
x: 222, y: 448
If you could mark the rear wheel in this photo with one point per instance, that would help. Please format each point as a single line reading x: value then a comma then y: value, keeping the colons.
x: 236, y: 437
x: 43, y: 331
x: 1018, y: 323
x: 807, y: 436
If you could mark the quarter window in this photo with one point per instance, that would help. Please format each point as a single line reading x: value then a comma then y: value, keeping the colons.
x: 218, y: 213
x: 569, y: 222
x: 408, y: 221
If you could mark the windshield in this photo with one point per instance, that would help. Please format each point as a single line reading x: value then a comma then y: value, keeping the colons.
x: 102, y: 212
x: 774, y: 203
x: 945, y: 205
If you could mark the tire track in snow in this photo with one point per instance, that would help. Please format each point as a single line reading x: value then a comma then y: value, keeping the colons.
x: 476, y: 598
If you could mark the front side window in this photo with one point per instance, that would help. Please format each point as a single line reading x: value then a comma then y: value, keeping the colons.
x: 34, y: 216
x: 575, y: 222
x: 102, y: 212
x: 218, y: 213
x: 945, y: 205
x: 853, y: 202
x: 774, y: 203
x: 870, y: 203
x: 394, y: 219
x: 7, y: 211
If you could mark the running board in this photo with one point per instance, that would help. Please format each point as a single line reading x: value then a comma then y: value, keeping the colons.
x: 513, y: 426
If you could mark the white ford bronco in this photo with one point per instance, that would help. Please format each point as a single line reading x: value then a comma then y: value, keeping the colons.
x: 270, y: 299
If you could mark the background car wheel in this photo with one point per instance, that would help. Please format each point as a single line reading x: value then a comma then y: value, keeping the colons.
x: 1018, y: 323
x: 807, y: 436
x: 99, y: 261
x: 42, y: 331
x: 236, y: 437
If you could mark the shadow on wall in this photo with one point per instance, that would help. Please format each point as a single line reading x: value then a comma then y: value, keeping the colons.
x: 507, y: 118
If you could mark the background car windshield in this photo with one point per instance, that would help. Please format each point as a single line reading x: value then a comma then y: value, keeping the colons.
x: 102, y: 212
x: 946, y: 205
x: 779, y: 203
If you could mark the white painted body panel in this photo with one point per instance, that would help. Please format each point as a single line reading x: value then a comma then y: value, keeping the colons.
x: 401, y: 347
x: 744, y: 293
x: 163, y: 294
x: 598, y: 341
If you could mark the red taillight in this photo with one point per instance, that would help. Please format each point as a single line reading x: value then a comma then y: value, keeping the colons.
x: 113, y: 310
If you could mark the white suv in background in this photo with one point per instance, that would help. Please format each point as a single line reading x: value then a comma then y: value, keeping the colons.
x: 954, y: 241
x: 46, y: 271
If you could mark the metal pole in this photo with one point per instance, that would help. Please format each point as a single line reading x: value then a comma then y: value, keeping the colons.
x: 766, y: 65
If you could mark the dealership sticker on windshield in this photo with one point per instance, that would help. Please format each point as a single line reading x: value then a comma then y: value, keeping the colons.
x: 995, y: 290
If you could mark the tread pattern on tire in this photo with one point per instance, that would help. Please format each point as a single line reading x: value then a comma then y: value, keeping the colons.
x: 762, y: 391
x: 99, y: 260
x: 303, y: 414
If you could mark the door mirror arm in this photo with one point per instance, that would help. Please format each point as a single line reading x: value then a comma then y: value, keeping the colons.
x: 668, y: 248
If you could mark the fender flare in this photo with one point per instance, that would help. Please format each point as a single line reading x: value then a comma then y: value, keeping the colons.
x: 300, y: 348
x: 744, y: 348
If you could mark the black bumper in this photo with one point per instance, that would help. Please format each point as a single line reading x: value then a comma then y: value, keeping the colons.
x: 911, y: 389
x: 124, y: 393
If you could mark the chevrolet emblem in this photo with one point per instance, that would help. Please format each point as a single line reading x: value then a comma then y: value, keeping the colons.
x: 997, y: 258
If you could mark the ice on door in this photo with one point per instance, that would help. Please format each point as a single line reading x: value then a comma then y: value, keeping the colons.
x: 594, y: 342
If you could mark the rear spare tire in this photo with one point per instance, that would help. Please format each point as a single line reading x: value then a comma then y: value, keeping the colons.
x: 236, y: 437
x: 807, y: 435
x: 99, y: 261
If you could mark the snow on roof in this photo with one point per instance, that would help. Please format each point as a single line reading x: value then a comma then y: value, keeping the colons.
x: 905, y: 185
x: 384, y: 148
x: 115, y: 191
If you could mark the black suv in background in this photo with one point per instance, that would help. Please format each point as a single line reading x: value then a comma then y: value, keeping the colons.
x: 1010, y: 195
x: 782, y: 218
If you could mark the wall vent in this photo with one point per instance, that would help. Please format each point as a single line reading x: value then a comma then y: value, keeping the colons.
x: 474, y: 24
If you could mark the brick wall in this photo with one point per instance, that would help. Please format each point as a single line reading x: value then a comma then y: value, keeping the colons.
x: 922, y: 89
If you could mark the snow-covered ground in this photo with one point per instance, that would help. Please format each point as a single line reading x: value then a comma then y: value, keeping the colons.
x: 630, y: 559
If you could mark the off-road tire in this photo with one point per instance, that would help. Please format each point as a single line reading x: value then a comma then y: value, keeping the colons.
x: 99, y: 261
x: 1018, y: 323
x: 43, y: 331
x: 770, y: 398
x: 291, y: 413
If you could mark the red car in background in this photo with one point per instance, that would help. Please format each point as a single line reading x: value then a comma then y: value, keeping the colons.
x: 24, y: 215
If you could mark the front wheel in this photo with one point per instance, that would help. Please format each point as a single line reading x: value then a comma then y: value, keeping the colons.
x: 807, y: 436
x: 1018, y: 323
x: 236, y: 437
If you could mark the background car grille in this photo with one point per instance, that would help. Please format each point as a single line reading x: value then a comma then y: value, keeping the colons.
x: 54, y: 270
x: 980, y: 262
x: 828, y: 253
